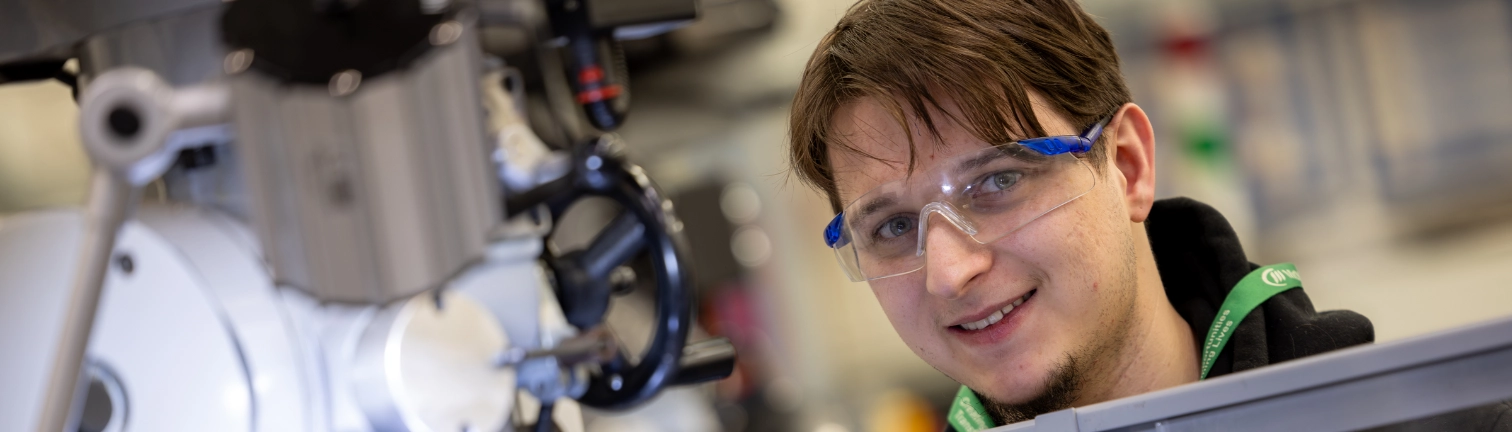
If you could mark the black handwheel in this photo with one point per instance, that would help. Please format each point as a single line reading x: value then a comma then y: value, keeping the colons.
x: 583, y: 278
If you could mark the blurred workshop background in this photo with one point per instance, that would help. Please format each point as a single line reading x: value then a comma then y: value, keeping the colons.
x: 1366, y: 141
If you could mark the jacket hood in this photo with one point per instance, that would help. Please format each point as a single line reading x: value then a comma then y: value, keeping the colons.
x: 1200, y: 260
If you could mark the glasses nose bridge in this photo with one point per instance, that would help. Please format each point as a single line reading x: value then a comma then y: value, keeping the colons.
x: 950, y: 213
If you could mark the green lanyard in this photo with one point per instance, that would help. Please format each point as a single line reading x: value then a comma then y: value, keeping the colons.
x: 1254, y: 289
x: 967, y: 414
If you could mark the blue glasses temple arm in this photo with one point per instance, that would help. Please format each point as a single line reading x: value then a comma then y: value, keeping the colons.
x: 1054, y: 145
x: 1051, y: 146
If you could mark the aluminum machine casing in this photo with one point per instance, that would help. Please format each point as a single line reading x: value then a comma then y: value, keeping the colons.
x: 346, y: 222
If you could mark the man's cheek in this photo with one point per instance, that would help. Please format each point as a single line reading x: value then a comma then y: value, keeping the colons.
x: 907, y: 320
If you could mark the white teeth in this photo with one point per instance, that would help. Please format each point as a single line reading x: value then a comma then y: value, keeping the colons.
x: 989, y: 320
x: 996, y: 316
x: 1022, y: 299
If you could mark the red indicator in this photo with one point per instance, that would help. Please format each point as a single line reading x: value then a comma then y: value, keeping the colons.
x: 598, y: 94
x: 591, y: 74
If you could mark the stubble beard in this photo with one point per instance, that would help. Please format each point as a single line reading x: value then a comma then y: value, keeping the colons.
x: 1062, y: 388
x: 1069, y: 379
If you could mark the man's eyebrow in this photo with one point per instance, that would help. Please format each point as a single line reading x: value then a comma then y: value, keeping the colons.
x: 982, y: 159
x: 875, y: 205
x: 989, y: 156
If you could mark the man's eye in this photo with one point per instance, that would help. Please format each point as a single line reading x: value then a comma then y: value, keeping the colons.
x: 897, y: 226
x: 1000, y: 181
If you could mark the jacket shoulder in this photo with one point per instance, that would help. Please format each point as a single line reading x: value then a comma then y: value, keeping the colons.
x: 1295, y: 330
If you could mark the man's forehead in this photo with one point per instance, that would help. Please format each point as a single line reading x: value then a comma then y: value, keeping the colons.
x: 879, y: 147
x: 868, y: 125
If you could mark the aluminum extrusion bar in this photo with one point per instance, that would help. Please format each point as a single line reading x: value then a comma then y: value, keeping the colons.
x: 1354, y: 388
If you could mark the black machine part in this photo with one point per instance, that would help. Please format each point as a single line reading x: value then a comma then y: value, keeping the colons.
x: 309, y: 41
x: 609, y: 14
x: 585, y: 282
x: 595, y: 62
x: 38, y: 70
x: 704, y: 361
x: 30, y: 70
x: 595, y: 71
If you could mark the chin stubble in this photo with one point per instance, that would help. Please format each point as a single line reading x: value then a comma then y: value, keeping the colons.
x: 1061, y: 389
x: 1068, y: 381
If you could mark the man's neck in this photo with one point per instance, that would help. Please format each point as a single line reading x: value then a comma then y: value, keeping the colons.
x: 1160, y: 350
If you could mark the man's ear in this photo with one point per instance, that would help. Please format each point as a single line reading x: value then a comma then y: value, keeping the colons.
x: 1131, y: 146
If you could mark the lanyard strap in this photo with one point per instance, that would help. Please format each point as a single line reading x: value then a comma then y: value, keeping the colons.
x: 968, y: 415
x: 1254, y: 289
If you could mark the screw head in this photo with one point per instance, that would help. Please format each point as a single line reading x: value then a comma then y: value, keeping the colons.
x: 445, y: 33
x: 237, y: 61
x: 345, y: 82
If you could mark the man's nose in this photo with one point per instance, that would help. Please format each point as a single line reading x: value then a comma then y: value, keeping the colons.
x: 952, y: 259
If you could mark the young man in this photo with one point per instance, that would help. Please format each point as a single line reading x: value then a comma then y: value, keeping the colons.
x: 995, y: 184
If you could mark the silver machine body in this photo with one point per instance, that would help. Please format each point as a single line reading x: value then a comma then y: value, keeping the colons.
x: 345, y: 265
x: 389, y: 194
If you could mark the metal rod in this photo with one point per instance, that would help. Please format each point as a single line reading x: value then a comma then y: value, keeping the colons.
x: 705, y: 361
x: 109, y: 198
x: 617, y: 244
x: 596, y: 345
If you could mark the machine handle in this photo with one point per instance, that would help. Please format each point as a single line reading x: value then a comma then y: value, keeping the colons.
x: 583, y: 284
x: 709, y: 360
x: 583, y: 279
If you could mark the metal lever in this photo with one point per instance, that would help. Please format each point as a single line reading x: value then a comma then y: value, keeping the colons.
x: 593, y: 346
x: 125, y: 118
x: 584, y: 286
x: 705, y: 361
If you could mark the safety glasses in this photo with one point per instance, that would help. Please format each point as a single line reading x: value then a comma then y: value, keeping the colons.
x: 987, y: 194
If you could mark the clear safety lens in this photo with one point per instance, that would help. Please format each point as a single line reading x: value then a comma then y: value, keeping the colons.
x: 987, y: 194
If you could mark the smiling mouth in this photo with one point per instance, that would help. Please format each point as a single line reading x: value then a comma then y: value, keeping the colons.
x: 997, y: 316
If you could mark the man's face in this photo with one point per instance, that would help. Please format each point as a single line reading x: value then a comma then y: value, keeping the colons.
x: 1077, y: 261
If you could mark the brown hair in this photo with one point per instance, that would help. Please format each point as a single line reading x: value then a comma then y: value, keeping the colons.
x: 985, y: 54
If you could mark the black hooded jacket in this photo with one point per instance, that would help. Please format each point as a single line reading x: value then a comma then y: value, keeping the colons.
x: 1200, y: 261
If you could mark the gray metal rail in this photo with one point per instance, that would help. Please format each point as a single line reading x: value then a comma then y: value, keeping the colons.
x: 1356, y: 388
